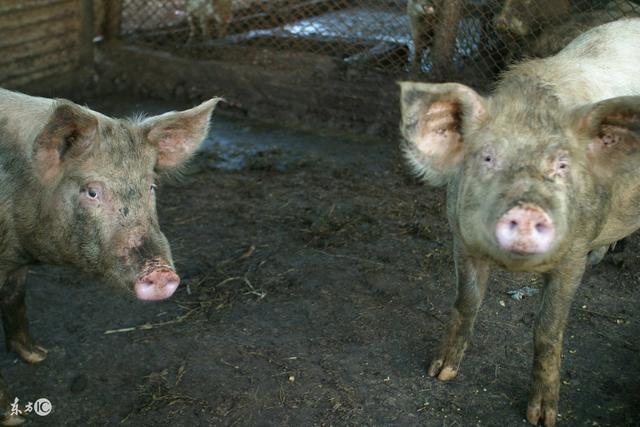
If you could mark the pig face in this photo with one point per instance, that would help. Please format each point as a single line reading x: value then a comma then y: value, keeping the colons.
x: 522, y: 177
x: 421, y: 7
x: 97, y: 182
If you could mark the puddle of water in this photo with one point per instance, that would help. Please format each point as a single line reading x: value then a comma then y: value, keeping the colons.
x: 240, y: 144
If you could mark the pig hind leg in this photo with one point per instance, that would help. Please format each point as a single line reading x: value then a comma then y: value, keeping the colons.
x: 472, y: 278
x: 14, y: 319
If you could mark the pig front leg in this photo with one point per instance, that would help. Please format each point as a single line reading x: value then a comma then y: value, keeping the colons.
x: 14, y: 318
x: 595, y: 256
x: 560, y: 287
x: 193, y: 28
x: 471, y: 275
x: 205, y: 25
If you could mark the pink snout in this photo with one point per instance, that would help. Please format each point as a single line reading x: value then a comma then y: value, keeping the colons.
x: 156, y: 285
x: 527, y: 229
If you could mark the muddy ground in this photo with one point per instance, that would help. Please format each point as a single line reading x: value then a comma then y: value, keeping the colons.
x: 317, y: 278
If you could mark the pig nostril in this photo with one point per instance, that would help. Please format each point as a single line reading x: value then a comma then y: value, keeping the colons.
x: 513, y: 224
x: 541, y: 227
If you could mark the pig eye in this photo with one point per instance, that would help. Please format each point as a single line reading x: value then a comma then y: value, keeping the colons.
x: 488, y: 157
x: 92, y: 192
x: 561, y: 166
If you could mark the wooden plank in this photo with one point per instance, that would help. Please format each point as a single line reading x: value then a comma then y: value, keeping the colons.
x: 38, y: 74
x: 18, y: 37
x: 30, y: 65
x: 64, y: 42
x: 7, y: 6
x: 41, y: 15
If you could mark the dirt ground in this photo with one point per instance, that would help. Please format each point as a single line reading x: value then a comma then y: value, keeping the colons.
x: 317, y: 279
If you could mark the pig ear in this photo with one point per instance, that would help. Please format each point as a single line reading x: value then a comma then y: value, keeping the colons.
x: 177, y: 134
x: 433, y: 116
x: 69, y: 132
x: 611, y: 128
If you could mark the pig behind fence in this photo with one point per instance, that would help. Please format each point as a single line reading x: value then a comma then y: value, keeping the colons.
x: 542, y: 28
x: 77, y: 190
x: 201, y: 14
x: 542, y: 176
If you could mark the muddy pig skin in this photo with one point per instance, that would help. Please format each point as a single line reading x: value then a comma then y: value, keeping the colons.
x: 542, y: 176
x: 77, y: 190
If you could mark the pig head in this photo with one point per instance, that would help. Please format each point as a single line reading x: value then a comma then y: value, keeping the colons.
x: 83, y: 190
x: 532, y: 185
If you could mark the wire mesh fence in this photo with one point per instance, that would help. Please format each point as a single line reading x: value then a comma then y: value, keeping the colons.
x: 428, y: 39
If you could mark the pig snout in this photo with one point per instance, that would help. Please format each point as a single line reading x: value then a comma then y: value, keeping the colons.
x: 157, y: 282
x: 526, y: 229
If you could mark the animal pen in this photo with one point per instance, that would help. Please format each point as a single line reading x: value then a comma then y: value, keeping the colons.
x: 316, y: 274
x: 333, y: 63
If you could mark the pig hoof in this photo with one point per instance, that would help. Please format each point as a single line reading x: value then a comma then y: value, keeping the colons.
x: 30, y: 353
x: 12, y: 420
x: 442, y: 372
x: 595, y: 256
x: 541, y: 412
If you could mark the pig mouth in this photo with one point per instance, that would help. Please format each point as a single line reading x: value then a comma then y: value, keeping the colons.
x: 157, y: 281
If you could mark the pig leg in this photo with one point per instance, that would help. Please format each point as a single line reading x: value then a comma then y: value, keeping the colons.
x: 472, y: 275
x: 14, y: 319
x: 205, y: 24
x: 193, y: 29
x: 596, y: 255
x: 418, y: 44
x: 222, y: 25
x: 560, y: 287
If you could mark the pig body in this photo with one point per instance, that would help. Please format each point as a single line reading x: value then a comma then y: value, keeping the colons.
x: 434, y: 25
x: 423, y: 20
x: 523, y: 17
x: 201, y: 13
x: 553, y: 38
x: 77, y: 190
x: 540, y: 175
x: 543, y: 28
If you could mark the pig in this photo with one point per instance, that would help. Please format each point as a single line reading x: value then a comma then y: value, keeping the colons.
x: 552, y: 38
x: 434, y: 25
x: 542, y: 176
x: 77, y: 190
x: 422, y: 18
x: 202, y: 12
x: 523, y: 17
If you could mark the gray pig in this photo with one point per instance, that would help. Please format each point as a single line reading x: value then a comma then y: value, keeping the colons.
x: 541, y: 176
x: 77, y: 190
